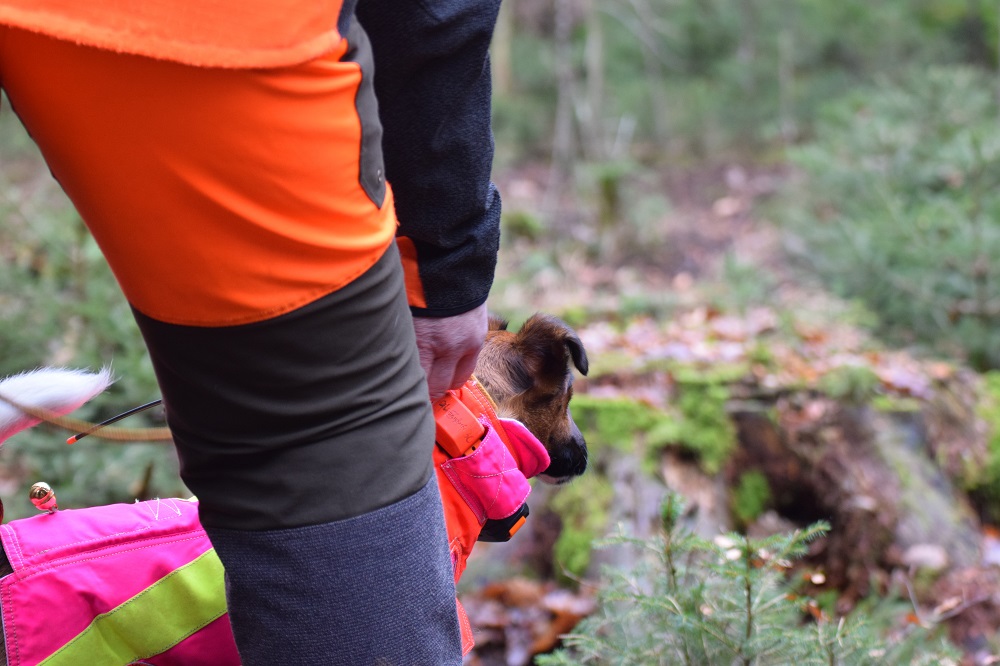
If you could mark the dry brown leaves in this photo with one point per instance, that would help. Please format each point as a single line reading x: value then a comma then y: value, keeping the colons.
x: 514, y: 620
x: 777, y: 351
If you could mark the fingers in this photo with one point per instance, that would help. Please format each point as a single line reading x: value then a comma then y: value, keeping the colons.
x: 440, y: 378
x: 449, y: 347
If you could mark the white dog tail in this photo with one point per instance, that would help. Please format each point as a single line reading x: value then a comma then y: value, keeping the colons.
x: 56, y: 389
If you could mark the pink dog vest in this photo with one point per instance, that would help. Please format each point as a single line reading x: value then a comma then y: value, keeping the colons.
x: 119, y: 584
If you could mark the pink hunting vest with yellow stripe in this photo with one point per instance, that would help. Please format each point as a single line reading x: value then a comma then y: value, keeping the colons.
x: 119, y: 584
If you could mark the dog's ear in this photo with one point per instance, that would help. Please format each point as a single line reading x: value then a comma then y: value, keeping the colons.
x: 576, y: 350
x: 544, y: 341
x: 497, y: 323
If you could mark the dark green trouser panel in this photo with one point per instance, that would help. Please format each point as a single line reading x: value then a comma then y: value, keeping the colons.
x: 313, y: 416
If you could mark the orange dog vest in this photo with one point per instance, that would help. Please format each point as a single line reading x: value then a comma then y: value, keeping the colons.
x: 482, y: 464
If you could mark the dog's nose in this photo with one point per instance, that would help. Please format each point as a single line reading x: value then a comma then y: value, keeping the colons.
x: 579, y: 462
x: 579, y: 445
x: 568, y: 458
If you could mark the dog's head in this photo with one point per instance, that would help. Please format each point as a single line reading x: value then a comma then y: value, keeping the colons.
x: 530, y: 376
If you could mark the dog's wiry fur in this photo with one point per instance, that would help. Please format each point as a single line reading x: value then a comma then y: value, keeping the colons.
x: 530, y: 376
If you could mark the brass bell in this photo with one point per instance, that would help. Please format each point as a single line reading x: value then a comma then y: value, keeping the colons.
x: 43, y: 497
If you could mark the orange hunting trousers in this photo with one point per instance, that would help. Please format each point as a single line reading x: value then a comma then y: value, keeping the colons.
x: 246, y: 217
x: 212, y: 213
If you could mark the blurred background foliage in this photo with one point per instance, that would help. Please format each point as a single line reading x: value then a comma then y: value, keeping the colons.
x: 879, y: 120
x: 60, y: 306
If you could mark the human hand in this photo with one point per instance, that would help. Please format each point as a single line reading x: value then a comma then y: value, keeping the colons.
x: 449, y: 347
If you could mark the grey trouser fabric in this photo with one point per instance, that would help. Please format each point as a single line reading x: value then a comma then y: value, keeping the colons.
x: 371, y: 590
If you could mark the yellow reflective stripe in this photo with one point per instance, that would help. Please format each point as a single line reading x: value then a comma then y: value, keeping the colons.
x: 154, y: 620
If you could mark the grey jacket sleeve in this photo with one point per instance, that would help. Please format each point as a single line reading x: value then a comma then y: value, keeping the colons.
x: 432, y: 80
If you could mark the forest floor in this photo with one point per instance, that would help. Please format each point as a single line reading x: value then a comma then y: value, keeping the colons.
x: 709, y: 279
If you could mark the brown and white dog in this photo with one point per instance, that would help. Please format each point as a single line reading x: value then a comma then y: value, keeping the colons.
x: 529, y: 374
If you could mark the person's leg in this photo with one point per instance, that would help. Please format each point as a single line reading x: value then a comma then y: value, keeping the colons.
x: 245, y: 217
x: 377, y: 607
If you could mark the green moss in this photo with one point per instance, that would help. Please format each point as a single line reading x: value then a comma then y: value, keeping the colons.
x: 751, y: 497
x: 697, y: 421
x: 896, y: 404
x: 761, y: 354
x: 705, y: 426
x: 850, y: 383
x: 583, y: 506
x: 610, y: 362
x: 612, y: 423
x: 572, y: 551
x: 666, y: 431
x: 522, y: 224
x: 578, y: 316
x: 694, y: 373
x: 984, y: 482
x: 700, y: 422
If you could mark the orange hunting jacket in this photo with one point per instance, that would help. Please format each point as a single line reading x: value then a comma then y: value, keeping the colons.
x: 432, y: 83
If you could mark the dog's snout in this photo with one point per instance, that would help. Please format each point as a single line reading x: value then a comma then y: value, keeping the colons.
x: 568, y: 458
